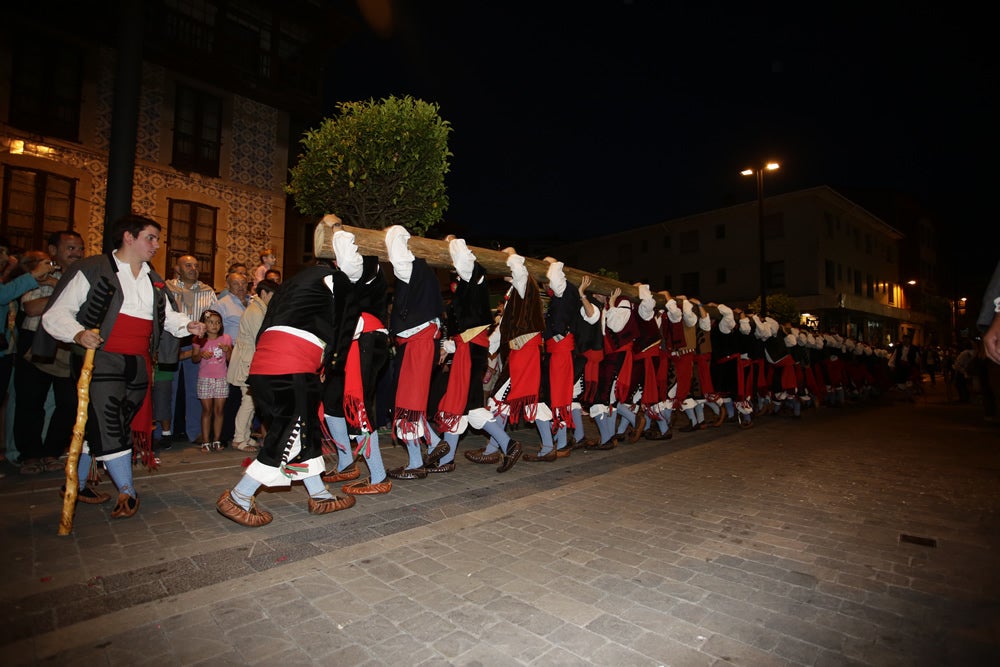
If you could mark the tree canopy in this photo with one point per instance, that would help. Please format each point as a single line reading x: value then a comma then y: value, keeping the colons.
x: 376, y: 164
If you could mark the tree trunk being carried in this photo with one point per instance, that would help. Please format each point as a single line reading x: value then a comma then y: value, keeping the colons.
x: 435, y: 252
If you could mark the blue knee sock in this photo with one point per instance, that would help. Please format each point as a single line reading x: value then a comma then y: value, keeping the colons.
x: 316, y: 488
x: 498, y: 436
x: 452, y: 440
x: 561, y: 437
x: 416, y: 458
x: 628, y: 418
x: 338, y: 429
x: 83, y: 468
x: 578, y: 433
x: 376, y: 468
x: 243, y: 492
x: 604, y: 427
x: 545, y: 433
x: 120, y: 471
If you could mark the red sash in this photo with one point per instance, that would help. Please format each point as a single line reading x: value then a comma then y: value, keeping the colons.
x: 414, y: 380
x: 130, y: 335
x: 525, y: 367
x: 787, y: 366
x: 561, y: 381
x: 591, y: 372
x: 455, y: 401
x: 354, y: 391
x: 624, y: 380
x: 650, y: 390
x: 281, y: 352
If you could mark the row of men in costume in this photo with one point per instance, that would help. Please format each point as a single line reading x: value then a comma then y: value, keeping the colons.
x: 625, y: 364
x: 326, y: 336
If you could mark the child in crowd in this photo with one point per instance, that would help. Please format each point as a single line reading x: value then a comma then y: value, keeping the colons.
x: 212, y: 353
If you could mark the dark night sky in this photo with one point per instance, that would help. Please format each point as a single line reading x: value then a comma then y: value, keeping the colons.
x: 582, y: 117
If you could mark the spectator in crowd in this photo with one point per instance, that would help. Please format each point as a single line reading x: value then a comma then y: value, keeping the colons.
x: 267, y: 260
x: 16, y: 281
x: 35, y: 377
x: 193, y: 297
x: 239, y: 364
x: 231, y: 307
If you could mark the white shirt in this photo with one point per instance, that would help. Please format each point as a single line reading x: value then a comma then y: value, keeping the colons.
x: 137, y: 291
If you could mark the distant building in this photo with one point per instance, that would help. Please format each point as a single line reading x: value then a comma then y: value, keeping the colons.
x: 840, y: 262
x: 226, y: 89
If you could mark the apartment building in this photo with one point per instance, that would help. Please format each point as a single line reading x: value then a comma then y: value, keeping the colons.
x: 224, y: 92
x: 838, y: 261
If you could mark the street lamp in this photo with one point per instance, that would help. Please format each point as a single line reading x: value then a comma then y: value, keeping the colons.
x: 759, y: 173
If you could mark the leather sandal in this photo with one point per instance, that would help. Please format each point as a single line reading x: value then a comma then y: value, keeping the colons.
x: 436, y: 454
x: 477, y: 456
x: 551, y: 455
x: 365, y: 488
x: 564, y: 452
x: 510, y: 457
x: 252, y: 518
x: 126, y: 507
x: 640, y: 426
x: 407, y: 473
x: 346, y: 475
x: 327, y: 505
x: 445, y: 467
x: 87, y: 495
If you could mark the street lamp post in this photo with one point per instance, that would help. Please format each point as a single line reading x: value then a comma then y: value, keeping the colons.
x: 759, y: 173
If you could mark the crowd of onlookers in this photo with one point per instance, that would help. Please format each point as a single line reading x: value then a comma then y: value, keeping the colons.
x: 194, y: 401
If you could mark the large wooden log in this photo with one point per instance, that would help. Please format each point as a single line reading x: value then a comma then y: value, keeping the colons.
x: 435, y: 252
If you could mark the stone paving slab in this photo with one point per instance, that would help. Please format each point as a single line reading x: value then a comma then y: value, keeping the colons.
x: 776, y: 545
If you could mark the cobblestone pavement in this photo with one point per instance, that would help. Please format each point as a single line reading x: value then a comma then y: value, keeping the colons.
x: 867, y: 535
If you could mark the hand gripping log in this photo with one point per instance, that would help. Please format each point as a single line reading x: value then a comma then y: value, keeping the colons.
x: 93, y: 317
x: 435, y: 252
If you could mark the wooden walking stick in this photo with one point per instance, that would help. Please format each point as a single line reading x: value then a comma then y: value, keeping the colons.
x: 93, y: 316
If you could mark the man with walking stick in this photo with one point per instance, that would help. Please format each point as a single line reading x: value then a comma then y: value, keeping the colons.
x: 114, y: 308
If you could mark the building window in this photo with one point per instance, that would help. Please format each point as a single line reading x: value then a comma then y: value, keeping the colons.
x: 667, y: 282
x: 857, y: 282
x: 830, y: 274
x: 666, y: 242
x: 37, y: 204
x: 689, y: 241
x: 828, y: 219
x: 870, y: 286
x: 774, y: 226
x: 868, y: 244
x: 720, y: 276
x: 775, y: 273
x: 892, y: 295
x: 690, y: 284
x: 45, y: 87
x: 840, y: 272
x: 720, y: 232
x: 857, y: 238
x: 197, y: 131
x: 644, y: 246
x: 191, y: 231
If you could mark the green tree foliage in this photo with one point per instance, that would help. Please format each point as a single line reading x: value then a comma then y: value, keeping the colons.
x: 376, y: 164
x: 613, y: 275
x: 779, y: 306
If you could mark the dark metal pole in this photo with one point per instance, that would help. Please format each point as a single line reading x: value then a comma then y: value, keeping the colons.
x: 124, y: 117
x: 760, y: 239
